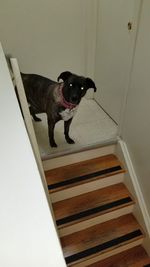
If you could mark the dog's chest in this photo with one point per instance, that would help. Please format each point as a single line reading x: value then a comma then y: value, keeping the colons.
x: 67, y: 114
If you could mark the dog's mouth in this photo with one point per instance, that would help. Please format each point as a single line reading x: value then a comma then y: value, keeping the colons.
x: 74, y: 100
x: 69, y: 102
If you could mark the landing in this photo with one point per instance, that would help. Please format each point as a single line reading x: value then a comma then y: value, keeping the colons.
x: 90, y: 126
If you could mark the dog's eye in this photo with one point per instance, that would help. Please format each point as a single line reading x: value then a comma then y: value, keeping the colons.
x: 70, y: 84
x: 82, y: 88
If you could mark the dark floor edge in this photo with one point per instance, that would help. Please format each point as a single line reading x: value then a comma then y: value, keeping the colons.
x: 106, y: 112
x: 147, y: 265
x: 66, y: 152
x: 92, y: 211
x: 85, y: 177
x: 102, y: 247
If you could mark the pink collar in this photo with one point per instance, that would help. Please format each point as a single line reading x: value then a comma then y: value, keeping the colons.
x: 63, y: 102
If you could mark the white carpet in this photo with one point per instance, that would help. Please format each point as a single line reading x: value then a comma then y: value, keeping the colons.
x: 90, y: 126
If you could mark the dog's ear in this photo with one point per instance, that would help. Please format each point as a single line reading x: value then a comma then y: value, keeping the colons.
x: 64, y: 76
x: 90, y: 84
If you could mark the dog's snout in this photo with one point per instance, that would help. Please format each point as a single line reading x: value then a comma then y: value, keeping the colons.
x: 74, y: 99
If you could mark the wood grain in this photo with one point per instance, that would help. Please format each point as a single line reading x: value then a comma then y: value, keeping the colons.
x: 91, y: 200
x: 82, y: 168
x: 98, y: 234
x: 135, y: 257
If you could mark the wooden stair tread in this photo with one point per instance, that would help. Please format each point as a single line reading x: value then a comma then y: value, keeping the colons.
x: 135, y: 257
x: 91, y: 204
x: 77, y: 173
x: 100, y: 238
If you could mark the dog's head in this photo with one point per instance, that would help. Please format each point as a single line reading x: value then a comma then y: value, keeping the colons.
x: 75, y: 86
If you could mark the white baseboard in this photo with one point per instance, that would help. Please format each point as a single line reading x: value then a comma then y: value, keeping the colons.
x: 141, y: 211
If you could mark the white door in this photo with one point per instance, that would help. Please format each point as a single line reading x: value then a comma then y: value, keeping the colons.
x: 114, y: 50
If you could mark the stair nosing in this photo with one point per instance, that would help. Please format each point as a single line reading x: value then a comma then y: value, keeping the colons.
x: 104, y: 246
x: 96, y: 211
x: 81, y: 179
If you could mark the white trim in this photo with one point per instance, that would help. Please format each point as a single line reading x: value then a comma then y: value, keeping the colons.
x: 87, y: 187
x: 89, y: 222
x: 29, y: 125
x: 134, y: 179
x: 76, y: 156
x: 25, y: 111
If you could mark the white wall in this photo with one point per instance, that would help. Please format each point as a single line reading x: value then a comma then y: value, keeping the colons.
x: 136, y: 131
x: 27, y: 233
x: 47, y: 37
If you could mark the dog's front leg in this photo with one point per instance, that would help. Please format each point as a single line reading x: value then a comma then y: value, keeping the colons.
x: 66, y: 131
x: 51, y: 125
x: 32, y: 112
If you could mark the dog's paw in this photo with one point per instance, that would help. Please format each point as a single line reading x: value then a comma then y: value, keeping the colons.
x: 37, y: 119
x: 53, y: 144
x: 70, y: 141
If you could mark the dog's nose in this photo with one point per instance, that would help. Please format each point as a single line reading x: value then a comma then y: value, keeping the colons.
x: 74, y: 99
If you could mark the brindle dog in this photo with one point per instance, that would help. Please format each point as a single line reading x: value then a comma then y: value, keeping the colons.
x: 58, y: 100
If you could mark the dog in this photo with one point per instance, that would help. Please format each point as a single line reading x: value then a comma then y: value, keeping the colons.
x: 59, y: 100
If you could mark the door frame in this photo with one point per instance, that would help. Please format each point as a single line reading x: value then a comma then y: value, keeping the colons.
x: 135, y: 22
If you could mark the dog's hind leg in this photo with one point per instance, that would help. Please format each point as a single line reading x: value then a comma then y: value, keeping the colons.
x: 32, y: 112
x: 51, y: 125
x: 66, y: 131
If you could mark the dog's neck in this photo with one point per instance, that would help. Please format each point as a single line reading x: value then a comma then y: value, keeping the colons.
x: 62, y: 100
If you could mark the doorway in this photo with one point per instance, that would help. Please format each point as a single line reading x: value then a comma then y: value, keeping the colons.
x: 89, y: 38
x: 111, y: 44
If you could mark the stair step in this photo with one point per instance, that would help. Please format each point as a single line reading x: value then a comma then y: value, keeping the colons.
x: 76, y: 174
x: 135, y: 257
x: 91, y: 206
x: 101, y: 240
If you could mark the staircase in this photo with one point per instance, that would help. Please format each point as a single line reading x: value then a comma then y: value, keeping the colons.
x: 93, y: 212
